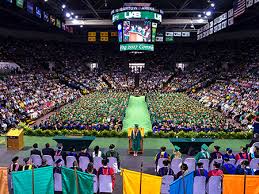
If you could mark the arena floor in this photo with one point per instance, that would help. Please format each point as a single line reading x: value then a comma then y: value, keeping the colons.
x: 151, y: 146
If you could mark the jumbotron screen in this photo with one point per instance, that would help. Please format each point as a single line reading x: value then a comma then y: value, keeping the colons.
x: 137, y: 31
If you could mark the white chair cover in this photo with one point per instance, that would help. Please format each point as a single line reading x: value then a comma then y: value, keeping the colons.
x: 49, y: 159
x: 214, y: 185
x: 83, y: 162
x: 215, y: 160
x: 199, y: 185
x: 254, y: 164
x: 70, y: 160
x: 232, y: 161
x: 191, y: 163
x: 175, y: 165
x: 239, y: 161
x: 206, y: 163
x: 113, y: 164
x: 166, y: 181
x: 98, y: 162
x: 95, y: 184
x: 59, y: 157
x: 105, y: 184
x: 251, y: 151
x: 57, y: 182
x: 36, y: 160
x: 160, y: 163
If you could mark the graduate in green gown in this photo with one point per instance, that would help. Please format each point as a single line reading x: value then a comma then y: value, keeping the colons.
x: 203, y: 154
x: 136, y: 139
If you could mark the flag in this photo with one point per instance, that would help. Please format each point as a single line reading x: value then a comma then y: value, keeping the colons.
x: 183, y: 185
x: 150, y: 184
x: 74, y: 182
x: 4, y: 180
x: 39, y: 179
x: 239, y: 7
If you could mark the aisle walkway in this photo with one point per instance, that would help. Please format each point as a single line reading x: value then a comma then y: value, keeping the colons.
x: 137, y: 113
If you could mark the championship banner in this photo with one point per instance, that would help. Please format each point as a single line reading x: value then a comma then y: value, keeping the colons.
x: 104, y: 34
x: 4, y: 180
x: 91, y: 34
x: 183, y: 185
x: 36, y: 181
x: 256, y: 1
x: 19, y: 3
x: 104, y: 39
x: 249, y: 3
x: 114, y: 34
x: 91, y: 38
x: 149, y: 183
x: 74, y: 182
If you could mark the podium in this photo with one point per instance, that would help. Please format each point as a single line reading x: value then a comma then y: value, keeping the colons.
x: 15, y: 139
x: 141, y: 151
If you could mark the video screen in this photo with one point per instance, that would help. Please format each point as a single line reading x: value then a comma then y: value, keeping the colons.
x: 137, y: 31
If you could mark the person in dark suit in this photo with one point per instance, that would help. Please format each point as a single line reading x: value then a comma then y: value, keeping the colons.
x: 85, y: 153
x: 35, y: 150
x: 48, y: 151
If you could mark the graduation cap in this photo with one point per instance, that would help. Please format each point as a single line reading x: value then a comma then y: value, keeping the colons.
x: 15, y: 159
x: 136, y: 125
x: 112, y: 146
x: 177, y: 148
x: 204, y: 147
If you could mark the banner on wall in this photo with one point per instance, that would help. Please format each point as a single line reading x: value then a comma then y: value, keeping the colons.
x: 91, y: 38
x: 104, y: 34
x: 91, y: 33
x: 104, y: 39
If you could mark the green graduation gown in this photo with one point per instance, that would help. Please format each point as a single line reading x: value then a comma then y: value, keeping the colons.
x: 136, y: 138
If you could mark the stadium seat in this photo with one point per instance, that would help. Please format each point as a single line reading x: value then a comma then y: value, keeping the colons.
x: 254, y: 164
x: 98, y: 162
x: 191, y: 163
x: 57, y: 182
x: 113, y: 163
x: 36, y: 160
x: 49, y: 160
x: 199, y: 185
x: 175, y: 165
x: 70, y: 160
x: 214, y: 185
x: 160, y: 163
x: 166, y: 181
x: 83, y: 162
x: 239, y: 161
x: 206, y: 163
x: 95, y: 184
x: 105, y: 184
x: 232, y: 161
x: 215, y: 160
x: 59, y: 157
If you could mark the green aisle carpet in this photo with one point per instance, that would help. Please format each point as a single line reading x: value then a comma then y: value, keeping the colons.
x: 137, y: 113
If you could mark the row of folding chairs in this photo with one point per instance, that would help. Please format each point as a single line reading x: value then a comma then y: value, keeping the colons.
x: 83, y: 161
x: 103, y: 184
x: 213, y: 186
x: 191, y: 162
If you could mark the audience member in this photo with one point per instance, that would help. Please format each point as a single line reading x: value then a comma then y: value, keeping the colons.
x: 85, y: 153
x: 242, y: 154
x: 216, y: 171
x: 203, y: 154
x: 183, y: 171
x: 200, y: 171
x: 161, y: 154
x: 229, y: 154
x: 76, y: 167
x: 35, y: 150
x: 176, y: 153
x: 244, y: 168
x: 48, y: 151
x: 166, y: 170
x: 90, y: 169
x: 98, y: 153
x: 15, y: 166
x: 227, y: 167
x: 113, y: 153
x: 105, y: 170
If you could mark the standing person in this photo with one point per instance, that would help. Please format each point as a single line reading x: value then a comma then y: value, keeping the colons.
x: 113, y: 153
x: 216, y: 171
x: 136, y: 139
x: 15, y: 166
x: 176, y: 153
x: 200, y: 171
x: 97, y: 152
x: 105, y: 170
x: 161, y: 154
x: 203, y: 154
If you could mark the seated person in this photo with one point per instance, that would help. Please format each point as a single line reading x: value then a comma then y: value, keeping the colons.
x: 166, y: 170
x: 255, y: 153
x: 44, y: 163
x: 203, y: 154
x: 72, y: 152
x: 244, y: 168
x: 216, y: 154
x: 90, y: 169
x: 57, y: 168
x: 227, y: 167
x: 257, y: 171
x: 183, y: 172
x: 97, y: 152
x: 216, y: 171
x: 60, y: 152
x: 105, y: 170
x: 242, y: 154
x: 15, y: 166
x: 76, y: 167
x: 200, y: 171
x: 85, y: 153
x: 229, y: 154
x: 176, y: 153
x: 35, y: 150
x: 113, y: 153
x: 161, y: 154
x: 28, y: 164
x: 48, y: 151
